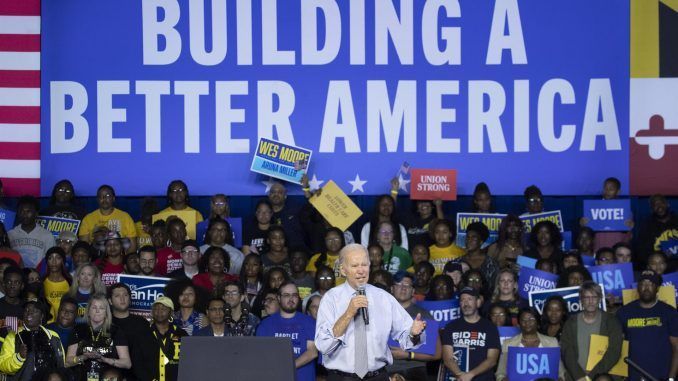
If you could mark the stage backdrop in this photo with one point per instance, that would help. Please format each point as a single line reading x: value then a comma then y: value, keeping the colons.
x: 137, y: 93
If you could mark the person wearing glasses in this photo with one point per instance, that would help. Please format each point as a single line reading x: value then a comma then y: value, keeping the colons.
x: 148, y: 259
x: 534, y: 200
x: 190, y: 257
x: 239, y: 320
x: 576, y: 337
x: 219, y: 234
x: 528, y: 321
x: 300, y: 328
x: 216, y: 312
x: 62, y: 203
x: 178, y: 199
x: 109, y: 217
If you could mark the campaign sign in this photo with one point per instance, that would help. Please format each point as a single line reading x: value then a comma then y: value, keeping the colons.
x: 429, y: 346
x: 491, y: 220
x: 588, y: 260
x: 236, y: 229
x: 443, y: 311
x: 529, y: 220
x: 524, y: 261
x: 537, y: 299
x: 615, y: 277
x: 506, y: 333
x: 145, y: 290
x: 534, y: 280
x: 532, y: 363
x: 670, y: 247
x: 282, y: 161
x: 461, y: 354
x: 7, y: 218
x: 608, y: 215
x: 56, y: 225
x: 671, y: 279
x: 433, y: 184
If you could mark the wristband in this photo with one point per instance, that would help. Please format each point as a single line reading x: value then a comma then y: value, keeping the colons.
x: 306, y: 189
x: 411, y: 355
x: 394, y: 192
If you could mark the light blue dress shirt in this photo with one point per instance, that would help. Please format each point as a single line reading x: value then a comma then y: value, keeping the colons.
x: 387, y: 319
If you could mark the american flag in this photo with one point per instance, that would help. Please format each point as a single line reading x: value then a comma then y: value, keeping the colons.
x: 20, y: 96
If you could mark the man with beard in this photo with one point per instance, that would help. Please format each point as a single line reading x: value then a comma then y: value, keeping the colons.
x: 137, y: 331
x: 148, y: 259
x: 300, y: 328
x: 651, y: 327
x: 475, y: 335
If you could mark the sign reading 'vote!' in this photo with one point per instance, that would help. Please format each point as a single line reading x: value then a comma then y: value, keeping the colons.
x: 433, y: 184
x: 608, y: 215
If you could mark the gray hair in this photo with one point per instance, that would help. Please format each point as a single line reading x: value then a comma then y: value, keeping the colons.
x: 591, y: 286
x: 351, y: 248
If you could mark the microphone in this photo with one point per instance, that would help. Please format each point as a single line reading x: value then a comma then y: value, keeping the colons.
x: 363, y: 310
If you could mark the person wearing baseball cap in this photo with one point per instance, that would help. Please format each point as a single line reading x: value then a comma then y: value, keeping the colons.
x: 651, y: 327
x: 478, y: 333
x: 167, y: 341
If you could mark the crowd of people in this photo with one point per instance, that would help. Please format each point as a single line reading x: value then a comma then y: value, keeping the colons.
x: 64, y: 315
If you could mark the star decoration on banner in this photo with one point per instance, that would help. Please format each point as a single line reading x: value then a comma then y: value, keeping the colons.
x: 402, y: 183
x: 269, y: 183
x: 357, y: 184
x: 314, y: 183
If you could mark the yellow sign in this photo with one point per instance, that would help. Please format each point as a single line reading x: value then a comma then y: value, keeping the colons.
x: 667, y: 294
x: 188, y: 216
x: 335, y: 206
x: 597, y: 349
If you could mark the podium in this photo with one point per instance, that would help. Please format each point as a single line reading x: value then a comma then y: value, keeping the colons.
x: 236, y: 358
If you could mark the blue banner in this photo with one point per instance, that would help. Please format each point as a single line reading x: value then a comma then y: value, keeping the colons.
x: 615, y: 277
x: 443, y: 311
x: 570, y: 294
x: 524, y: 261
x: 588, y: 260
x: 145, y: 290
x: 507, y: 333
x: 366, y: 85
x: 529, y: 220
x: 671, y: 279
x: 236, y: 228
x: 461, y: 355
x: 491, y: 220
x: 56, y: 224
x: 608, y: 215
x: 527, y: 364
x: 534, y: 280
x: 7, y: 218
x: 429, y: 346
x: 670, y: 247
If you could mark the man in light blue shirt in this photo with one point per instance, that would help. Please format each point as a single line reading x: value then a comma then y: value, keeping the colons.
x: 353, y: 344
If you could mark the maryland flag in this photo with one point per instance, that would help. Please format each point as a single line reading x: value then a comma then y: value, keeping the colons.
x: 654, y: 97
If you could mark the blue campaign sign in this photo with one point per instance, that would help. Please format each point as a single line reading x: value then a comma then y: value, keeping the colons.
x: 282, y: 161
x: 670, y: 247
x: 534, y: 280
x: 537, y: 299
x: 56, y: 225
x: 507, y: 333
x: 608, y: 215
x: 429, y: 346
x: 491, y: 220
x: 529, y: 220
x: 7, y: 218
x: 532, y: 363
x: 615, y: 277
x: 443, y: 311
x: 236, y: 228
x: 524, y: 261
x: 145, y: 290
x: 131, y: 86
x: 588, y: 260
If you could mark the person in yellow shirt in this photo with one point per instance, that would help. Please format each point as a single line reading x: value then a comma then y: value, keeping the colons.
x: 108, y: 216
x: 334, y: 241
x: 444, y: 249
x: 57, y: 282
x: 178, y: 199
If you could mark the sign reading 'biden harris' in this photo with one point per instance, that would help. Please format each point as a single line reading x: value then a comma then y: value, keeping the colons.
x: 499, y: 90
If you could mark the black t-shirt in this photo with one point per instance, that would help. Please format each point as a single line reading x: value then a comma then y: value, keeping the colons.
x: 479, y: 336
x: 73, y: 212
x: 139, y: 336
x: 7, y: 309
x: 255, y: 237
x: 90, y: 340
x: 417, y: 230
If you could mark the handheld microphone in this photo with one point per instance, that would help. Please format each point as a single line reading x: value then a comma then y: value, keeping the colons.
x: 363, y: 310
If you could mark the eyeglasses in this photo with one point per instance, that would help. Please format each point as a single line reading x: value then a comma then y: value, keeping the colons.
x: 177, y: 190
x: 474, y: 279
x: 498, y: 314
x: 231, y: 293
x: 534, y: 200
x: 336, y: 239
x: 190, y: 252
x: 325, y: 278
x: 400, y: 285
x: 289, y: 295
x: 64, y: 190
x: 220, y: 203
x: 65, y: 241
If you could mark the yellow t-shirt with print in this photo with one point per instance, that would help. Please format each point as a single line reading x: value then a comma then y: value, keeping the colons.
x: 330, y: 262
x: 143, y: 238
x: 117, y: 221
x: 53, y: 293
x: 441, y: 255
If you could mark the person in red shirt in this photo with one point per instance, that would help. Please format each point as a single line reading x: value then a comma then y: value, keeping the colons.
x: 216, y: 263
x: 169, y: 258
x: 112, y: 263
